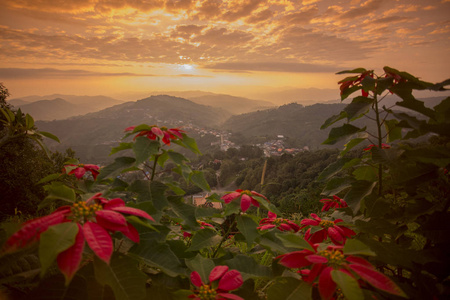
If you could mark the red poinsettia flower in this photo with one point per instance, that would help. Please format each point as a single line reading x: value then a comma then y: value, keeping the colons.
x: 245, y: 196
x: 332, y: 258
x: 202, y: 226
x: 383, y: 146
x: 337, y: 233
x: 163, y: 133
x: 336, y: 202
x: 352, y: 81
x: 95, y: 218
x: 227, y: 281
x: 282, y: 224
x: 80, y: 169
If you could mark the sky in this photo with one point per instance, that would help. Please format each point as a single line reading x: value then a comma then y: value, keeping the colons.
x: 126, y: 48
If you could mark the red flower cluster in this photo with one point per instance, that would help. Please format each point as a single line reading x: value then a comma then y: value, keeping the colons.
x: 383, y: 146
x: 330, y: 259
x: 80, y: 169
x: 163, y: 133
x: 349, y: 82
x: 95, y: 218
x: 336, y: 202
x: 228, y: 281
x: 245, y: 196
x: 337, y: 233
x: 282, y: 224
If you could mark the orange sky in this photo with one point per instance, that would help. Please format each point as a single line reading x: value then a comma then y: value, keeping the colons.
x: 246, y: 47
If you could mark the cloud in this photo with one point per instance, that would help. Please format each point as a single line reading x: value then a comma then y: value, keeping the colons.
x: 366, y: 8
x: 273, y: 67
x: 20, y: 73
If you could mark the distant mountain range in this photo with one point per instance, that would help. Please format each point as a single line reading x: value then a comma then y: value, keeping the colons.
x: 58, y: 107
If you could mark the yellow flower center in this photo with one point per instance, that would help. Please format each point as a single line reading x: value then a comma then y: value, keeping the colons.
x: 335, y: 257
x: 207, y: 293
x: 82, y: 212
x: 326, y: 224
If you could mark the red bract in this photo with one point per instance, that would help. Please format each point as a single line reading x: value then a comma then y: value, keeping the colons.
x: 336, y: 202
x: 80, y: 169
x: 383, y: 146
x: 245, y: 196
x: 282, y: 224
x: 202, y: 226
x: 163, y: 133
x: 332, y: 258
x: 96, y: 218
x: 352, y: 81
x: 337, y: 233
x: 227, y: 281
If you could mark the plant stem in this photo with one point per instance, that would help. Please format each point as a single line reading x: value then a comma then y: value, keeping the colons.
x: 154, y: 167
x: 379, y: 137
x: 225, y: 236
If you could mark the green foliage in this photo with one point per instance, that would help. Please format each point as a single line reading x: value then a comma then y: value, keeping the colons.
x: 396, y: 200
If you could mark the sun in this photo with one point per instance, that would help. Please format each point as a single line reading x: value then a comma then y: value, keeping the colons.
x: 187, y: 67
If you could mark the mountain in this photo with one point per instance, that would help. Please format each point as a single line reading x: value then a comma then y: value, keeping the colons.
x: 51, y: 109
x: 41, y: 107
x: 232, y: 104
x: 305, y: 96
x: 235, y: 105
x: 293, y: 121
x: 92, y: 135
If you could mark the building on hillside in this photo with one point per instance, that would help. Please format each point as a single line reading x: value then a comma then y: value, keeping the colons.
x: 200, y: 200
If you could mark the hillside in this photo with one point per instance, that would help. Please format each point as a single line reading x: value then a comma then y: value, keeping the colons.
x: 293, y: 121
x: 93, y: 134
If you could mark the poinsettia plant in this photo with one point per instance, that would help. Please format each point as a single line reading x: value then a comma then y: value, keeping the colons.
x: 127, y: 231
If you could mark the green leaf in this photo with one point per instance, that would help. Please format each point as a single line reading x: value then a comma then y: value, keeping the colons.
x: 198, y: 178
x: 121, y: 147
x: 383, y: 83
x: 417, y: 106
x: 189, y: 143
x: 357, y: 192
x: 368, y: 173
x: 248, y: 267
x: 336, y: 185
x: 271, y: 242
x: 339, y: 133
x: 288, y: 288
x: 158, y: 255
x: 349, y: 285
x: 247, y: 227
x: 144, y: 148
x: 349, y: 91
x: 29, y: 122
x: 369, y: 83
x: 176, y: 157
x: 393, y: 132
x: 356, y: 247
x: 49, y: 135
x: 333, y: 169
x: 333, y: 119
x: 116, y: 167
x: 353, y: 143
x: 48, y: 178
x: 202, y: 265
x: 55, y: 240
x: 358, y: 70
x: 58, y: 191
x: 183, y: 210
x: 204, y: 238
x: 122, y: 276
x: 153, y: 191
x: 291, y: 240
x: 358, y: 107
x: 53, y: 288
